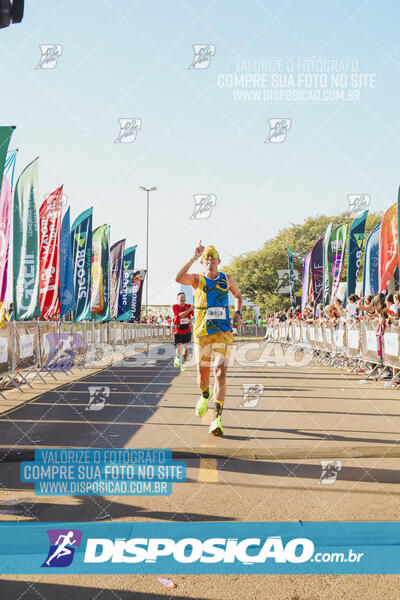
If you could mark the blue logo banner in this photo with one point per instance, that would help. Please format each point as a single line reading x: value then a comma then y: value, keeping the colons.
x: 218, y: 547
x: 371, y: 262
x: 356, y: 238
x: 67, y: 290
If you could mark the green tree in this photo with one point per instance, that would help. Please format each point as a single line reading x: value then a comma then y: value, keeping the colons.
x: 256, y: 273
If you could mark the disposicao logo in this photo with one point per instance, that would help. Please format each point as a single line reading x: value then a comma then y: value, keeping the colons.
x: 61, y: 551
x: 137, y: 554
x: 191, y: 550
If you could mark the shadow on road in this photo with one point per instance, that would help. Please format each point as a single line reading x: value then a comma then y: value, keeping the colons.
x: 61, y: 417
x: 308, y: 471
x: 98, y: 508
x: 32, y: 590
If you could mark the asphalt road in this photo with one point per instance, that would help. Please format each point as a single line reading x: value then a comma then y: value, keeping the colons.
x: 266, y: 468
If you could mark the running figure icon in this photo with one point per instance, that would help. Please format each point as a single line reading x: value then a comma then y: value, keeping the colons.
x: 62, y: 543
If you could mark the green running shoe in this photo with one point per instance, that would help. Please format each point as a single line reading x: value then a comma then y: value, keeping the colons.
x: 177, y: 362
x: 216, y: 427
x: 202, y: 404
x: 183, y: 367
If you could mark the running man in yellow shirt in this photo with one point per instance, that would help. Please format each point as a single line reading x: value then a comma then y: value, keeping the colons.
x: 213, y: 335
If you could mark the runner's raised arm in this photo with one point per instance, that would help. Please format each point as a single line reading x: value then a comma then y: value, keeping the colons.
x: 186, y: 278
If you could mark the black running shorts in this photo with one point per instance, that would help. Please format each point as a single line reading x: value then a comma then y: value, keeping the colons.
x: 182, y: 338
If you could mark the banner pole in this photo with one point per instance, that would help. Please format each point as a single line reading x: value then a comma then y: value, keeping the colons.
x: 13, y: 345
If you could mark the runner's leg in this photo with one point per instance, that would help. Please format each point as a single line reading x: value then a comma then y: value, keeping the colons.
x: 222, y: 351
x: 203, y: 361
x: 203, y: 378
x: 178, y: 350
x: 184, y: 356
x: 220, y: 370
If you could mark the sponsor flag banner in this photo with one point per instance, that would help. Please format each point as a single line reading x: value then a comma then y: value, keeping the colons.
x: 316, y: 266
x: 388, y: 247
x: 100, y: 299
x: 398, y: 221
x: 325, y: 266
x: 137, y: 290
x: 116, y: 261
x: 81, y: 240
x: 49, y: 254
x: 26, y: 302
x: 371, y: 262
x: 291, y: 277
x: 6, y: 132
x: 126, y: 285
x: 306, y: 281
x: 197, y: 548
x: 97, y: 299
x: 67, y: 292
x: 356, y: 238
x: 336, y: 253
x: 5, y: 219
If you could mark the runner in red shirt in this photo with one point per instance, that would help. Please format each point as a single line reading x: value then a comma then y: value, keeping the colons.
x: 183, y: 314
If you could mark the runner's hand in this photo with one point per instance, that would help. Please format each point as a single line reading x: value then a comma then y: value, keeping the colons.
x: 237, y: 322
x: 198, y: 251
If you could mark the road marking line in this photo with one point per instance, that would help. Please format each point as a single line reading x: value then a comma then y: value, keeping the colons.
x: 208, y: 471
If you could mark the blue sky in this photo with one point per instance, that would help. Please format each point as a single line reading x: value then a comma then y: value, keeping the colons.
x: 130, y: 59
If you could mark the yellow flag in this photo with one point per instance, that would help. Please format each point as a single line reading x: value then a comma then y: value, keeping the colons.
x: 2, y: 314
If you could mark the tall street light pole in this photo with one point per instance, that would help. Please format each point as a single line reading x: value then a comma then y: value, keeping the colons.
x: 147, y: 190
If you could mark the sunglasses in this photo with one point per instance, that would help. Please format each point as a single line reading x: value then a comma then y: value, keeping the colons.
x: 210, y: 255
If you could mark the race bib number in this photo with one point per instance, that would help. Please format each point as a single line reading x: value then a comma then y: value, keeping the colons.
x: 184, y: 321
x: 216, y: 313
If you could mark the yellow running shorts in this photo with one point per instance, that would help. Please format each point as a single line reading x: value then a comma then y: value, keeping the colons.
x: 208, y: 346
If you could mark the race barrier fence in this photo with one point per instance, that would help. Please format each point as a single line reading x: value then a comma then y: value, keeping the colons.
x: 352, y: 340
x: 252, y: 330
x: 40, y: 349
x: 36, y: 348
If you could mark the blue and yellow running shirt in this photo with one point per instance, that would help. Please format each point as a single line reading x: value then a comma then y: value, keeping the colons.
x: 211, y: 312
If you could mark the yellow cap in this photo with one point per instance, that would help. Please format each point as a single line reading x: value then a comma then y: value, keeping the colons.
x: 210, y: 251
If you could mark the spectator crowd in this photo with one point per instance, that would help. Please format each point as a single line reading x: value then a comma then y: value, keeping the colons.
x: 383, y: 307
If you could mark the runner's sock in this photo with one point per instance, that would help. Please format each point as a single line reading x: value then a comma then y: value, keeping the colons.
x: 206, y: 394
x: 218, y: 409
